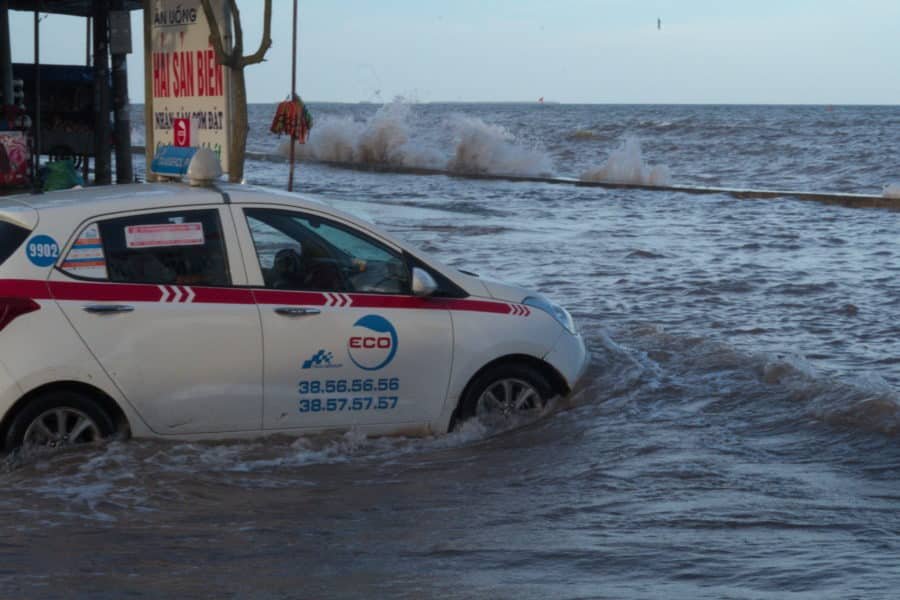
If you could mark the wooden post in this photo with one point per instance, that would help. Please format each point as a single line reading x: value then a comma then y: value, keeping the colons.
x: 235, y: 60
x: 293, y: 95
x: 102, y: 175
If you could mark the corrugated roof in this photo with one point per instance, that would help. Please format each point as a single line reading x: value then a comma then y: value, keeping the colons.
x: 79, y: 8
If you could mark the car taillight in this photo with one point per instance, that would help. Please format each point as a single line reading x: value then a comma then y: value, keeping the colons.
x: 10, y: 308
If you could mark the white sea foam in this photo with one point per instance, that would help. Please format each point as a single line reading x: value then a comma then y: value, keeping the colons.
x: 137, y: 136
x: 383, y: 139
x: 483, y: 148
x: 892, y: 190
x: 626, y: 164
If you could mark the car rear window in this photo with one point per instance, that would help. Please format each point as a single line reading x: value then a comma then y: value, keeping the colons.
x: 11, y: 237
x: 180, y: 247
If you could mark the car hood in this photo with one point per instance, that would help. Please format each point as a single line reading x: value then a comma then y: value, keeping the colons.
x: 505, y: 292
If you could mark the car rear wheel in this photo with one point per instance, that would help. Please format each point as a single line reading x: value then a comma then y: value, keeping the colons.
x: 58, y: 420
x: 504, y: 393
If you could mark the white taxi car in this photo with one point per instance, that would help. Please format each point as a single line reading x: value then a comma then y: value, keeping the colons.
x: 169, y: 311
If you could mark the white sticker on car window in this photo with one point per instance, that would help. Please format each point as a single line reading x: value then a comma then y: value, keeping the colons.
x: 86, y: 258
x: 164, y: 234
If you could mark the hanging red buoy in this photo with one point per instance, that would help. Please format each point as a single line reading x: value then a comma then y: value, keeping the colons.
x: 292, y: 118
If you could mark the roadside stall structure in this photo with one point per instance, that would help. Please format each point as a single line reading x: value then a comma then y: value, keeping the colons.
x: 67, y: 111
x: 66, y: 108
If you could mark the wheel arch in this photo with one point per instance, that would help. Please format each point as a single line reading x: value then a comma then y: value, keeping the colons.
x: 109, y: 405
x: 556, y: 380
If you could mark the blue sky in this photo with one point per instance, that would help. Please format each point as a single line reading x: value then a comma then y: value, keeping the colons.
x: 593, y: 51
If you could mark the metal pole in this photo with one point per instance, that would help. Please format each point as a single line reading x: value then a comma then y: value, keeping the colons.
x: 149, y: 143
x: 37, y: 100
x: 121, y: 110
x: 102, y: 173
x: 87, y: 43
x: 293, y: 95
x: 6, y: 72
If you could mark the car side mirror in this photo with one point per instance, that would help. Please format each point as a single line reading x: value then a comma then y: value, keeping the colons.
x: 423, y: 284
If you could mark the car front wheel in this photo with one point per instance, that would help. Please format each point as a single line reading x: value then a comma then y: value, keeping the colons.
x: 57, y: 420
x: 503, y: 393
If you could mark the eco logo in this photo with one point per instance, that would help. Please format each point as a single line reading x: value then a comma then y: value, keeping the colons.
x: 373, y: 343
x: 320, y: 360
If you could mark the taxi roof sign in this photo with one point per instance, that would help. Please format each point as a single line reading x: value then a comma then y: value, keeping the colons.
x: 172, y: 161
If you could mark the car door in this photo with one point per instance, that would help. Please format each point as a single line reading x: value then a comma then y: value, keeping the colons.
x: 152, y: 296
x: 345, y: 342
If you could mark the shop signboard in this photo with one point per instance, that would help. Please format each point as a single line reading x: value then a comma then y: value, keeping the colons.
x: 189, y: 86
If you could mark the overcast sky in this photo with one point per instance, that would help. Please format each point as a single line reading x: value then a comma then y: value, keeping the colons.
x: 592, y: 51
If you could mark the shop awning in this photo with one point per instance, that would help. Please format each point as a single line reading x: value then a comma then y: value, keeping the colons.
x: 78, y: 8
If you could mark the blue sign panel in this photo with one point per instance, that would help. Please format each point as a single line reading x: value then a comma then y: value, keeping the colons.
x: 172, y: 161
x: 42, y: 250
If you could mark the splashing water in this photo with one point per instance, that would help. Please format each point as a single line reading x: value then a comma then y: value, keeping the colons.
x: 892, y: 190
x: 387, y: 139
x: 384, y: 139
x: 482, y: 148
x: 626, y: 165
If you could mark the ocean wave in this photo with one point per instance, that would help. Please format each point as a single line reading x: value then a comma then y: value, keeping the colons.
x: 580, y: 135
x: 892, y: 190
x: 385, y: 139
x: 482, y: 148
x: 626, y: 165
x: 657, y: 124
x: 777, y: 390
x: 644, y: 254
x: 864, y: 402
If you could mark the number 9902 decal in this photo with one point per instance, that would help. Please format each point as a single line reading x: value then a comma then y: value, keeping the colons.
x: 42, y: 250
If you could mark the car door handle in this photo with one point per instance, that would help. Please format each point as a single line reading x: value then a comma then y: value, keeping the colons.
x: 108, y: 309
x: 296, y: 311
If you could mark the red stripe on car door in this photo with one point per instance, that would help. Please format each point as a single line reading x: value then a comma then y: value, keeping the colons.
x: 134, y: 292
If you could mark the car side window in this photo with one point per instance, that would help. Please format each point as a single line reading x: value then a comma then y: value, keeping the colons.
x: 86, y: 258
x: 174, y: 247
x: 305, y: 252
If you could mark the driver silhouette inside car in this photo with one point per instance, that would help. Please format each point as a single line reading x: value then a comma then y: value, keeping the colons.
x: 294, y: 269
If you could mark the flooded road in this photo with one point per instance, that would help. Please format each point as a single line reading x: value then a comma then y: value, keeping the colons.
x: 735, y: 435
